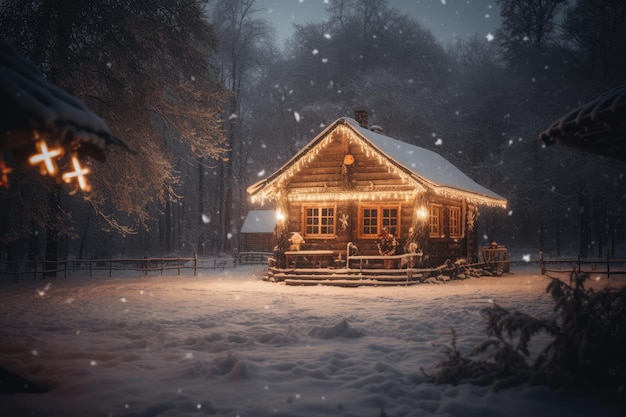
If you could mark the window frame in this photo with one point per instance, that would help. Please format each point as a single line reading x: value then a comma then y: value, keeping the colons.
x: 380, y: 219
x: 320, y: 224
x: 435, y: 221
x: 456, y: 231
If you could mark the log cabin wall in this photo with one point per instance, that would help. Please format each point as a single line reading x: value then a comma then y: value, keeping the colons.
x: 458, y: 237
x: 261, y: 242
x: 342, y: 179
x: 330, y: 176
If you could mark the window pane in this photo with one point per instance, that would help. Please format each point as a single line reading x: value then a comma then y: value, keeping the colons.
x: 320, y: 220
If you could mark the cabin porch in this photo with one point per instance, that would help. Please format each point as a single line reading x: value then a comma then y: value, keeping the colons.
x: 345, y: 268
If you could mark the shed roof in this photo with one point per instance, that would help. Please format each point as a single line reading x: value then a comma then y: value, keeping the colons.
x: 423, y: 166
x: 259, y: 221
x: 598, y: 126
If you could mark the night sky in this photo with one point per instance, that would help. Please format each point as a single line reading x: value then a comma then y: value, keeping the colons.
x: 447, y: 19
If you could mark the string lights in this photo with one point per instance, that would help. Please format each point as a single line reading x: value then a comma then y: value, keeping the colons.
x: 412, y: 183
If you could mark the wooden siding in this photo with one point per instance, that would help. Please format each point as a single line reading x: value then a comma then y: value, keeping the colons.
x: 327, y: 172
x: 258, y: 242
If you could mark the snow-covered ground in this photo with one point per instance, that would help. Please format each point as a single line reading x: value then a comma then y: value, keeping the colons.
x: 228, y: 344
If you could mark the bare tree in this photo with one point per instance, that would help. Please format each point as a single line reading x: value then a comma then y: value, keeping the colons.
x: 144, y: 67
x: 243, y: 42
x: 598, y: 29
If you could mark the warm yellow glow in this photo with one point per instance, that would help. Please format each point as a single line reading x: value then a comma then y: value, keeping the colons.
x: 353, y: 195
x: 78, y: 174
x: 422, y: 213
x: 280, y: 216
x: 4, y: 172
x: 412, y: 183
x: 45, y: 158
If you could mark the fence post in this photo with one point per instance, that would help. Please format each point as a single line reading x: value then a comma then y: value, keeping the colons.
x: 542, y: 266
x: 579, y: 264
x: 195, y: 264
x: 178, y: 264
x: 90, y: 269
x: 110, y: 267
x: 608, y: 265
x: 161, y: 266
x: 35, y: 274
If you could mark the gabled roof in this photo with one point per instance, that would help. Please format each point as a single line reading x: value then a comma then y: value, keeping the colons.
x: 259, y: 221
x: 598, y: 126
x: 425, y: 168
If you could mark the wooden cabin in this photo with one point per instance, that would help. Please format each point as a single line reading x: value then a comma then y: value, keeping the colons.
x: 351, y: 181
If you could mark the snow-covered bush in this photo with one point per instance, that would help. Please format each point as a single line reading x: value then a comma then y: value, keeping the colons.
x: 587, y: 347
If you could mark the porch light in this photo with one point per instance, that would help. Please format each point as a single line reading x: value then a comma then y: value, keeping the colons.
x: 422, y: 213
x: 280, y: 216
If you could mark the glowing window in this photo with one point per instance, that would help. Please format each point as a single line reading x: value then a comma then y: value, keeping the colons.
x: 436, y: 221
x: 374, y: 218
x: 455, y: 221
x: 319, y: 221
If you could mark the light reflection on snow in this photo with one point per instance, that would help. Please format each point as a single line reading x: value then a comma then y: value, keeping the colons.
x: 198, y: 320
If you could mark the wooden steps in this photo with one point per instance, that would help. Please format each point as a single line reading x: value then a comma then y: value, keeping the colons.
x: 345, y: 277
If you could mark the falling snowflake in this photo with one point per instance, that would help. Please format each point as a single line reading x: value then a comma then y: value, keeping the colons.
x: 510, y: 212
x: 206, y: 219
x: 315, y: 52
x: 526, y: 258
x: 439, y: 142
x: 324, y: 60
x: 327, y: 36
x: 443, y: 2
x: 296, y: 115
x: 489, y: 37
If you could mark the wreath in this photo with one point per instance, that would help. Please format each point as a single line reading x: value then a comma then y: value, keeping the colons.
x: 386, y: 243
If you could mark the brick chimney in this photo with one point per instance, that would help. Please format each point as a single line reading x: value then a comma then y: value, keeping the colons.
x: 361, y: 118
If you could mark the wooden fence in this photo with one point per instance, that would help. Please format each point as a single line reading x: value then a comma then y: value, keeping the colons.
x: 608, y: 265
x: 42, y: 268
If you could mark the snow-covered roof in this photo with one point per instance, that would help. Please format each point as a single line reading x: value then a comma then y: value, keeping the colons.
x: 429, y: 165
x: 259, y: 221
x: 598, y: 126
x: 29, y: 103
x: 425, y: 167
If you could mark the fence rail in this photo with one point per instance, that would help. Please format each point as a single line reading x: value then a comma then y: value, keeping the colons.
x: 42, y: 268
x: 606, y: 265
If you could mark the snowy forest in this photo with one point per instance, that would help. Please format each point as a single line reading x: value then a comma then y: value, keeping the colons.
x: 211, y: 102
